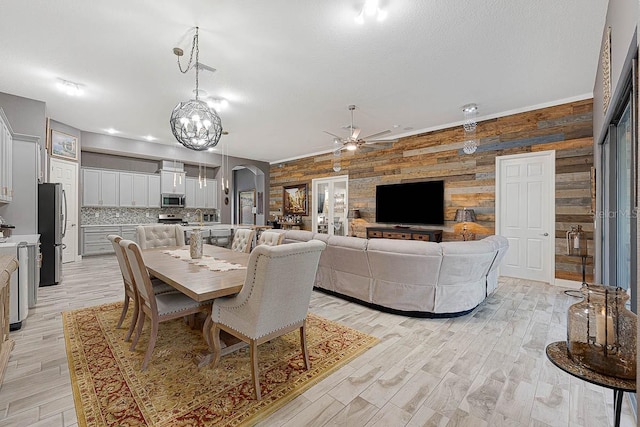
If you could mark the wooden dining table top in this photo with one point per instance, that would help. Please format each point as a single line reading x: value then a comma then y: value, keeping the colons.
x: 198, y: 282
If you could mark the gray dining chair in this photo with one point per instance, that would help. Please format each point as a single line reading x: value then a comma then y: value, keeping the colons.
x: 158, y: 308
x: 130, y: 293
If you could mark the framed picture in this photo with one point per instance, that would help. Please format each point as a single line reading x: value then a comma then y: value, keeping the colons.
x: 63, y: 146
x: 247, y: 204
x: 294, y: 200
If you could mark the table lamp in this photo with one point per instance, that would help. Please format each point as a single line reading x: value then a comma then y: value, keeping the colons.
x: 353, y: 215
x: 465, y: 215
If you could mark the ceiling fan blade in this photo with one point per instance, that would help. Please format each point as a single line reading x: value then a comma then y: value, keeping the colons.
x: 377, y: 134
x: 333, y: 135
x: 355, y: 133
x: 378, y: 141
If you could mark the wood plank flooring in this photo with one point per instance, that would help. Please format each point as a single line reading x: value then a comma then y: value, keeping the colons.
x: 484, y: 369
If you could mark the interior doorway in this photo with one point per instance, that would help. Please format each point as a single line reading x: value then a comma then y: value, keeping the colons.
x: 66, y: 173
x: 525, y: 214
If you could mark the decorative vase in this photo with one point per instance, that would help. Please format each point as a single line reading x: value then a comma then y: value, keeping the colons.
x: 601, y: 332
x: 195, y: 244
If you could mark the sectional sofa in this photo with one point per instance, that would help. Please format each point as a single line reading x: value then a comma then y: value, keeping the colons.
x: 414, y: 278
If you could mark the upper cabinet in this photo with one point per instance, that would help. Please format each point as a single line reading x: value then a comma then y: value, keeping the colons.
x: 173, y: 182
x: 133, y: 190
x: 153, y: 196
x: 100, y: 187
x: 6, y: 159
x: 201, y: 196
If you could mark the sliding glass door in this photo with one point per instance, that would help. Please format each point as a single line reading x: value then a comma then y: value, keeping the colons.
x: 618, y: 201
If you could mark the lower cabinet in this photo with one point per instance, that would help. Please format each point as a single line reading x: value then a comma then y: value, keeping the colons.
x: 95, y: 242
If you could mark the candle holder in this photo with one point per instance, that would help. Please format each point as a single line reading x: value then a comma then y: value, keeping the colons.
x: 601, y: 332
x: 576, y: 241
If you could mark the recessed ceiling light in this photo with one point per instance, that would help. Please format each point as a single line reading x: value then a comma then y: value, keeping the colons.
x: 396, y: 126
x: 111, y: 131
x: 150, y: 138
x: 211, y: 149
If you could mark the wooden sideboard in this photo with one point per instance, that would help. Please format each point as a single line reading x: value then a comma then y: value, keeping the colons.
x: 404, y: 234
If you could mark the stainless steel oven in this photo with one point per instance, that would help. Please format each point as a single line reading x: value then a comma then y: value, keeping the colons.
x: 173, y: 200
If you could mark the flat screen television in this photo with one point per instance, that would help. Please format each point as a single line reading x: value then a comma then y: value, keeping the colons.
x: 411, y: 203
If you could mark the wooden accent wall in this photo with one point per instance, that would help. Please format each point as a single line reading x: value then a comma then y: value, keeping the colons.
x: 469, y: 179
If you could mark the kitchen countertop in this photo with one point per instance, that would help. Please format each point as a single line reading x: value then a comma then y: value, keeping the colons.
x: 31, y: 239
x: 191, y: 224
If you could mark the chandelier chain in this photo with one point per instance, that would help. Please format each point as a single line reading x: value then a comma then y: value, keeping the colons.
x: 194, y: 47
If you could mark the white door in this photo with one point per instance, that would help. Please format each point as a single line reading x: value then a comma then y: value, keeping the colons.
x: 525, y: 214
x: 67, y: 173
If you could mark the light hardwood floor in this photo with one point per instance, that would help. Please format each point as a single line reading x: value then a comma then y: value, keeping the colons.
x: 484, y: 369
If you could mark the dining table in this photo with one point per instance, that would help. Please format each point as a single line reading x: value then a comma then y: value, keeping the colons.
x: 220, y: 272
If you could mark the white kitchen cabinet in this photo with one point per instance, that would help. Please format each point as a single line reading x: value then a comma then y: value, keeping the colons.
x: 133, y: 190
x: 190, y: 193
x: 6, y: 159
x: 100, y: 187
x: 172, y: 182
x: 153, y: 189
x: 200, y: 196
x: 211, y: 194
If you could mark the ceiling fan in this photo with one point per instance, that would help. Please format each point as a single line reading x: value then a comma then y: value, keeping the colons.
x: 353, y: 142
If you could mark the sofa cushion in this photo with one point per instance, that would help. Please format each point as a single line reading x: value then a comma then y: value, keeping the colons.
x: 405, y: 273
x: 351, y: 274
x: 462, y: 279
x: 323, y: 276
x: 296, y: 236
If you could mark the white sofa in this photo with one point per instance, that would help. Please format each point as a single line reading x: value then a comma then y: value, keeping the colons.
x: 422, y: 279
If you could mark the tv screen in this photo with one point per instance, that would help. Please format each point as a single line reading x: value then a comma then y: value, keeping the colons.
x: 411, y: 203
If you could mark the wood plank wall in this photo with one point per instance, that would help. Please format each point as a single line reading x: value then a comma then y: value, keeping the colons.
x: 469, y: 179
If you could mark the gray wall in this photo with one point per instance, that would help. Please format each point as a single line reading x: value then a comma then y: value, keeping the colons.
x: 622, y: 17
x: 26, y: 116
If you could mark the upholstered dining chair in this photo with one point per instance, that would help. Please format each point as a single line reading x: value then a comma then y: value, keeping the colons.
x: 130, y: 293
x: 242, y: 240
x: 158, y: 308
x: 270, y: 238
x: 273, y: 301
x: 156, y: 235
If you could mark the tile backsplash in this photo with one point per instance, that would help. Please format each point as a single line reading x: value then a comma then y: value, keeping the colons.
x: 98, y: 216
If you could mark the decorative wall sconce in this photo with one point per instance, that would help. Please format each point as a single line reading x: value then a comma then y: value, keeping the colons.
x: 576, y: 241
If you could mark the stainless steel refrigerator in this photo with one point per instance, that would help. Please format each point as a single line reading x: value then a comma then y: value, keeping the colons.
x: 52, y: 210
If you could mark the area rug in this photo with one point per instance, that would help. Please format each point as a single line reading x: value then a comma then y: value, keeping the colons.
x: 110, y: 390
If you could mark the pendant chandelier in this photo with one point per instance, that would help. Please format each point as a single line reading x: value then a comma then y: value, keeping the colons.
x: 470, y: 112
x: 193, y: 123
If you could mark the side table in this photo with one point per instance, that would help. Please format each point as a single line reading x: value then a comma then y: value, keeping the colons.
x: 559, y: 355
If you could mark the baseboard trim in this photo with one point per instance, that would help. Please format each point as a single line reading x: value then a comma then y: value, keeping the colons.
x: 564, y: 283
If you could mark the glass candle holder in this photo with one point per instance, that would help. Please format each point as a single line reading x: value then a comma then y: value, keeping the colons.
x: 601, y: 332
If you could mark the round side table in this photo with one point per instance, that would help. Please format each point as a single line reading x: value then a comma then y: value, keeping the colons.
x: 559, y: 355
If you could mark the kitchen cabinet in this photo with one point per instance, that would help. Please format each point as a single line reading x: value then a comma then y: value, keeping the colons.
x: 6, y: 159
x: 94, y: 239
x: 153, y: 196
x: 211, y: 194
x: 133, y: 190
x: 128, y: 232
x: 201, y: 197
x: 172, y: 182
x: 100, y: 187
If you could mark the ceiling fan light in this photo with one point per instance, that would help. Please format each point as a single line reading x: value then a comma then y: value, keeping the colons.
x: 382, y: 15
x: 359, y: 19
x: 351, y: 146
x: 370, y: 7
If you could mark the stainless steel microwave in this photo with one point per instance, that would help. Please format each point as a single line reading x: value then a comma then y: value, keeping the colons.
x: 172, y: 201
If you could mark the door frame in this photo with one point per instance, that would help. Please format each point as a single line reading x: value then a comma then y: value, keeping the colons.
x: 550, y: 214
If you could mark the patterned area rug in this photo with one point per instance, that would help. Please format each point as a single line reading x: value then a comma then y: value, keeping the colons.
x: 110, y: 390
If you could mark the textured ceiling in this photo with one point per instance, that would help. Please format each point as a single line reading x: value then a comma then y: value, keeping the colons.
x: 290, y: 68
